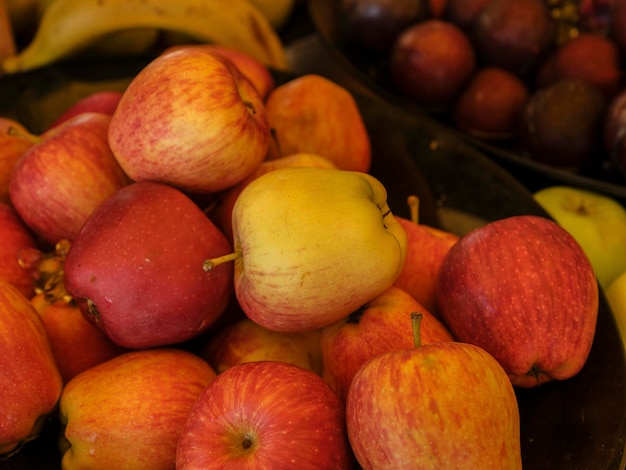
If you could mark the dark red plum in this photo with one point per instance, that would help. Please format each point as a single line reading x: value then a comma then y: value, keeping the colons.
x: 590, y: 57
x: 514, y: 34
x: 431, y: 62
x: 375, y: 24
x: 562, y: 124
x: 463, y: 12
x: 492, y: 104
x: 615, y: 131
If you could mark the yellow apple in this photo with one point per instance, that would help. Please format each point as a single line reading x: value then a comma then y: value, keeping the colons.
x: 616, y: 296
x: 596, y: 221
x: 311, y: 245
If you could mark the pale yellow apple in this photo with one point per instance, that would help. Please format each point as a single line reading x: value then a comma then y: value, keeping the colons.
x: 616, y: 296
x: 312, y: 245
x: 596, y: 221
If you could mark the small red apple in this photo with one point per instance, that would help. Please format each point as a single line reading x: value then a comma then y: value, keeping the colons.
x: 77, y: 344
x: 381, y: 325
x: 16, y: 240
x: 59, y: 181
x: 426, y: 248
x: 104, y: 101
x: 247, y: 341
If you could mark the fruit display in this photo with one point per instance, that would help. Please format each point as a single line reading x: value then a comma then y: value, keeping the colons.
x: 536, y: 84
x: 281, y: 265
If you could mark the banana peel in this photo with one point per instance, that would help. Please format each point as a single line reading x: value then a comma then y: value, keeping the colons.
x: 68, y: 26
x: 7, y: 38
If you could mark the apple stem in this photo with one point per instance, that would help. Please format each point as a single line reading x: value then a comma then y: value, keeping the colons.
x: 209, y: 264
x: 414, y: 204
x: 32, y: 138
x: 416, y: 320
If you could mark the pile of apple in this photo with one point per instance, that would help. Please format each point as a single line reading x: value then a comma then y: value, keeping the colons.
x: 199, y: 272
x: 544, y: 78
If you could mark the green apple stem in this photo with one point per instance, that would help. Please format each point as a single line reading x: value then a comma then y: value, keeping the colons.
x: 416, y: 320
x: 414, y: 204
x: 211, y: 263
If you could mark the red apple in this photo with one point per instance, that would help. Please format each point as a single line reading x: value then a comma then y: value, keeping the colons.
x: 77, y: 344
x: 247, y: 341
x: 203, y: 124
x: 30, y: 383
x: 104, y: 101
x: 311, y: 114
x: 426, y: 248
x: 221, y: 214
x: 135, y: 268
x: 128, y: 412
x: 59, y: 181
x: 440, y: 405
x: 15, y: 139
x: 265, y: 415
x: 16, y: 240
x: 523, y: 289
x: 381, y: 325
x: 254, y: 70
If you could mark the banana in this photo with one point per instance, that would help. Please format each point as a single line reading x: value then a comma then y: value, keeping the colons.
x: 68, y: 26
x: 7, y: 35
x: 277, y: 12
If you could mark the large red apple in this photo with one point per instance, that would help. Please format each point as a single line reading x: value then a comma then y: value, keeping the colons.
x: 128, y: 412
x: 17, y: 239
x: 59, y: 181
x: 523, y: 289
x: 381, y: 325
x: 266, y: 414
x: 311, y: 114
x: 192, y: 120
x: 438, y: 406
x: 30, y: 383
x: 135, y: 268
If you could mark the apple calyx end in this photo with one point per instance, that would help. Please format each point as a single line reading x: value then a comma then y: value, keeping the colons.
x: 209, y: 264
x: 416, y: 320
x: 48, y: 270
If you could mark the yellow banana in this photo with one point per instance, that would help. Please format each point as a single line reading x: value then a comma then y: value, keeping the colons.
x: 277, y: 12
x: 70, y: 25
x: 7, y: 37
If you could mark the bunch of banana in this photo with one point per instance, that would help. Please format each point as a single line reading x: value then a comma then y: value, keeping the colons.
x: 68, y: 26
